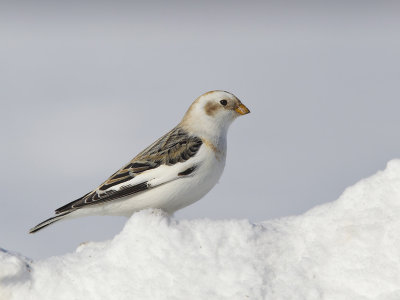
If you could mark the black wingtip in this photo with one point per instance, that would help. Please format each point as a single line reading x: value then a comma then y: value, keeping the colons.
x: 69, y: 206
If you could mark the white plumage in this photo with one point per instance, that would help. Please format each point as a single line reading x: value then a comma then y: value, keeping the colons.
x: 175, y: 171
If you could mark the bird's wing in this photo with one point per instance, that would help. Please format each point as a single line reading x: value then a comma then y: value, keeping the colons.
x: 155, y: 165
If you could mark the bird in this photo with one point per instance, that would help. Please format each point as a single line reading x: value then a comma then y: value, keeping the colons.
x: 175, y: 171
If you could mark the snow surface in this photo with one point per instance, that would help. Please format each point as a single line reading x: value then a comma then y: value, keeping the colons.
x: 347, y: 249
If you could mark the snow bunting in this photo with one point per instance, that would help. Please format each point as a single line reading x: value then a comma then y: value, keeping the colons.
x: 175, y: 171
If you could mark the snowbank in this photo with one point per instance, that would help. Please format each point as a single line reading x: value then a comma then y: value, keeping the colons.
x: 347, y: 249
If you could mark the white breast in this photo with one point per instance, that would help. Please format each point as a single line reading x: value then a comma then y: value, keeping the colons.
x: 170, y: 196
x: 190, y: 189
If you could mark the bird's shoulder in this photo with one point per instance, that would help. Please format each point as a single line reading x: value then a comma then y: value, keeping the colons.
x: 175, y: 146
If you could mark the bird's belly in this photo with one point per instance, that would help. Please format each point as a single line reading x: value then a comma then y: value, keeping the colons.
x: 170, y: 196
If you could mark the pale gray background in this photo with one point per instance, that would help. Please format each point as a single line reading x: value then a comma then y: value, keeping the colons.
x: 85, y: 87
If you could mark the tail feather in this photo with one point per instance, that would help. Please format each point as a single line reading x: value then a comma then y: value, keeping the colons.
x: 68, y: 207
x: 48, y: 222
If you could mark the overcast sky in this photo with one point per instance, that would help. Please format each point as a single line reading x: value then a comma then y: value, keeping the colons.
x: 85, y: 87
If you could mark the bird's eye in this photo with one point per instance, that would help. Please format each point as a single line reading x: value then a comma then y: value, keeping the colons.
x: 223, y: 102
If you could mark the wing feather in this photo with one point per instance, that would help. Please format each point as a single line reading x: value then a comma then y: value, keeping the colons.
x: 176, y: 146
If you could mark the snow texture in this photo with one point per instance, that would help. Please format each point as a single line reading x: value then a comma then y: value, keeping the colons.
x: 347, y: 249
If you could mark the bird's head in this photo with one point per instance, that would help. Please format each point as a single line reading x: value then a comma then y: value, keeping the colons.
x: 213, y: 111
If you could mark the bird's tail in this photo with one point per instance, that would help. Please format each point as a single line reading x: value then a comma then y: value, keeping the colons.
x: 48, y: 222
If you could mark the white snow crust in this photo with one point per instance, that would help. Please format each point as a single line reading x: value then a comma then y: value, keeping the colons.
x: 346, y: 249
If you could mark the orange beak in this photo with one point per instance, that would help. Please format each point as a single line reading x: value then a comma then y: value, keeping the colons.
x: 242, y: 109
